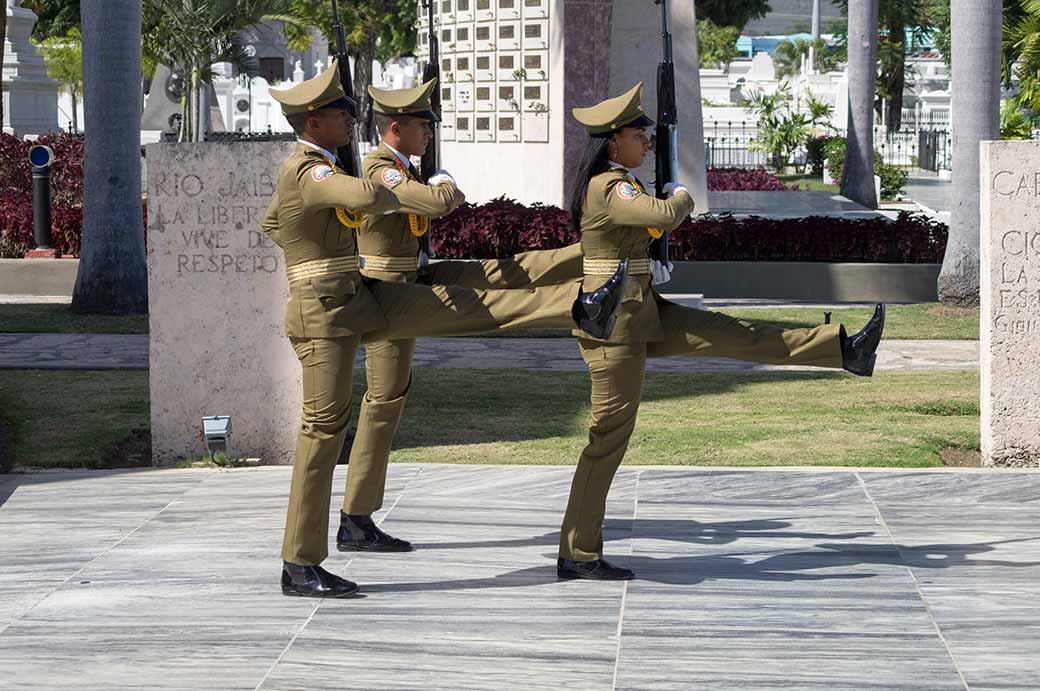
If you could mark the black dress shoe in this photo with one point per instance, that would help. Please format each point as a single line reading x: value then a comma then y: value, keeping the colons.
x: 598, y: 570
x: 361, y: 534
x: 859, y: 352
x: 595, y: 312
x: 314, y: 581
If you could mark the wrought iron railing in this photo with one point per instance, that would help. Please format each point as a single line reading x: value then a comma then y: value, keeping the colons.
x: 729, y: 145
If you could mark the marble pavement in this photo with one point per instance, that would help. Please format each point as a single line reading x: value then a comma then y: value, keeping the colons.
x: 749, y: 579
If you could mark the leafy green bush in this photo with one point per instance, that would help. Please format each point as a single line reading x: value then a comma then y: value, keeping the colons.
x: 892, y: 177
x: 815, y: 150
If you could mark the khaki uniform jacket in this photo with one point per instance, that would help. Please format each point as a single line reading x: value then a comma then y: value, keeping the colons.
x: 391, y: 235
x: 302, y: 220
x: 614, y: 225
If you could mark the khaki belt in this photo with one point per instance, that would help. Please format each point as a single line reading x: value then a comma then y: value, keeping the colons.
x: 374, y: 262
x: 607, y: 267
x: 322, y: 267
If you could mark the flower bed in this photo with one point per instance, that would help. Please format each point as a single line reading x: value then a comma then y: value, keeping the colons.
x: 16, y: 222
x: 503, y: 227
x: 745, y: 180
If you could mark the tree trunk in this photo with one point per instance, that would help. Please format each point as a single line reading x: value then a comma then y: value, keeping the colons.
x: 185, y: 134
x: 897, y: 80
x: 3, y: 39
x: 362, y: 80
x: 975, y: 27
x: 113, y: 277
x: 196, y: 108
x: 75, y: 115
x: 857, y: 178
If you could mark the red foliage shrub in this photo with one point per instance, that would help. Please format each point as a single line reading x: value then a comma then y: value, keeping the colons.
x: 16, y: 224
x: 744, y: 180
x: 500, y: 228
x: 503, y: 227
x: 911, y: 239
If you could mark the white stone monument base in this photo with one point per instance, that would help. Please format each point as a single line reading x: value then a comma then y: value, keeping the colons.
x: 217, y: 292
x: 1010, y: 303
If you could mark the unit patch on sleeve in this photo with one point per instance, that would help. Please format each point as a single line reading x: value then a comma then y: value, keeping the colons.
x: 392, y: 177
x: 322, y: 172
x: 626, y: 190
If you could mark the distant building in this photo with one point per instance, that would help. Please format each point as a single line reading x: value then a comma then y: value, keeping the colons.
x: 793, y: 16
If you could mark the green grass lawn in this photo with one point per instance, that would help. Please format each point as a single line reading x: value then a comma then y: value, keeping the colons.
x: 77, y: 419
x: 808, y: 183
x: 72, y: 419
x: 922, y: 321
x: 60, y: 319
x: 928, y: 320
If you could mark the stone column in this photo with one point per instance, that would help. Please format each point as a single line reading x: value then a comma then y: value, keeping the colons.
x: 635, y: 51
x: 30, y: 96
x: 1010, y: 303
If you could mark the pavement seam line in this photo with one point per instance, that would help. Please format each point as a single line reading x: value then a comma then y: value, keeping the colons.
x: 880, y: 518
x: 624, y: 591
x: 321, y: 601
x: 101, y: 554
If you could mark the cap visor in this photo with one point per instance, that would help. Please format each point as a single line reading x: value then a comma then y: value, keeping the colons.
x: 640, y: 121
x: 427, y: 115
x: 346, y: 103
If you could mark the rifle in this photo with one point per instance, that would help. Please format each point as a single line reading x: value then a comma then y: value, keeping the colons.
x: 431, y: 158
x: 665, y: 142
x: 349, y: 154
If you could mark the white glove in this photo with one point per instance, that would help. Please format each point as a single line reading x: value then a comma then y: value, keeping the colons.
x: 660, y: 272
x: 423, y: 259
x: 440, y: 177
x: 672, y: 187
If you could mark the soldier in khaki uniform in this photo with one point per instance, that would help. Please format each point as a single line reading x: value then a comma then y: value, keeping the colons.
x: 618, y: 219
x: 332, y: 308
x: 389, y: 248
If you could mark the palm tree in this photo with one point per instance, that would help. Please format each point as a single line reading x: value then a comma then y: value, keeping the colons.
x: 112, y: 277
x: 857, y: 176
x: 1022, y: 49
x: 375, y: 29
x: 190, y: 35
x: 3, y: 42
x: 975, y: 27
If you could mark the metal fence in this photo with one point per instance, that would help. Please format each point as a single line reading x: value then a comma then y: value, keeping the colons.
x: 729, y: 145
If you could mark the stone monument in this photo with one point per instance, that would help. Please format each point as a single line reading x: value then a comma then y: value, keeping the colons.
x: 1010, y: 303
x: 511, y: 72
x: 30, y: 96
x: 217, y: 291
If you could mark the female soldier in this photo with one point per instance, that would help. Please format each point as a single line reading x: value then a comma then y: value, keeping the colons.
x: 618, y: 220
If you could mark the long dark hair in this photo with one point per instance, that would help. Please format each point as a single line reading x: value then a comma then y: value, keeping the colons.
x: 595, y: 159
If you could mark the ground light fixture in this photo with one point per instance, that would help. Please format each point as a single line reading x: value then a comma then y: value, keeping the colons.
x: 216, y: 430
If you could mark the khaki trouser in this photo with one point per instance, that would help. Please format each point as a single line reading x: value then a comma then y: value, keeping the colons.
x: 388, y: 363
x: 411, y: 311
x: 616, y: 371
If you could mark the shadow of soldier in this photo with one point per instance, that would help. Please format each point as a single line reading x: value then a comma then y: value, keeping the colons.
x: 745, y: 566
x: 676, y: 530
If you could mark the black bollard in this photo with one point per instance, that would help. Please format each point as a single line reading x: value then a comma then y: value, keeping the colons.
x: 41, y: 157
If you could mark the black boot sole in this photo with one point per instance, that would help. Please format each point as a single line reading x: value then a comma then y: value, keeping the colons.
x: 293, y: 592
x: 868, y: 371
x: 573, y: 576
x: 365, y: 548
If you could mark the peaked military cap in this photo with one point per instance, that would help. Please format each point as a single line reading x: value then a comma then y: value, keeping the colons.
x: 414, y: 101
x: 321, y: 91
x: 607, y: 117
